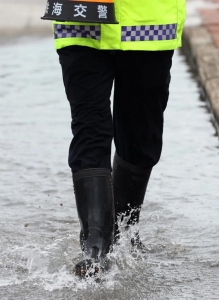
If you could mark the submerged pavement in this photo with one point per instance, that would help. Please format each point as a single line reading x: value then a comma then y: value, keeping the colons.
x: 39, y: 227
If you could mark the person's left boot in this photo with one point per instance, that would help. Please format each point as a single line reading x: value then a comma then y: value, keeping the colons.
x: 95, y: 205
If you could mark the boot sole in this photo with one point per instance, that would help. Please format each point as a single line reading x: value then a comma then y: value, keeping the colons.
x: 87, y: 268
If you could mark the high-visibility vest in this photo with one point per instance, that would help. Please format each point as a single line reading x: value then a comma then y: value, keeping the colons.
x: 142, y: 25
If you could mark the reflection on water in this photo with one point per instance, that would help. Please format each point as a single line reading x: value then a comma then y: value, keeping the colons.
x: 38, y: 220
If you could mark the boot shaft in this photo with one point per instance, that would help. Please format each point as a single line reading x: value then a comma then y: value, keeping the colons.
x: 130, y: 184
x: 95, y: 206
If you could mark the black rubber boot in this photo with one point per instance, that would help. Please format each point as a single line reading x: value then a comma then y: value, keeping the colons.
x: 130, y: 184
x: 95, y: 205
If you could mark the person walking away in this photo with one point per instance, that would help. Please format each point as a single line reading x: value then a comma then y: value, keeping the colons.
x: 135, y: 54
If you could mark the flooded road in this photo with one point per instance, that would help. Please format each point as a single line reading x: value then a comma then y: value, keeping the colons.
x: 38, y: 220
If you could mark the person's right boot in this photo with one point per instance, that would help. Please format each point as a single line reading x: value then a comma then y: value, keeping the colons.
x: 95, y: 205
x: 130, y: 184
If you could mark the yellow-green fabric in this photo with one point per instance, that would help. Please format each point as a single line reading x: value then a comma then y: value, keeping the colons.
x: 129, y: 14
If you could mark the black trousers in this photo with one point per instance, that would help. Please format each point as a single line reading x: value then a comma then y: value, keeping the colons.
x: 141, y: 89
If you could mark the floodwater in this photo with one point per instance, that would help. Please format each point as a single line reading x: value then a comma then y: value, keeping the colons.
x: 38, y: 219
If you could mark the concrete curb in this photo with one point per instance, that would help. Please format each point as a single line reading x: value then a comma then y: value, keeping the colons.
x: 202, y: 48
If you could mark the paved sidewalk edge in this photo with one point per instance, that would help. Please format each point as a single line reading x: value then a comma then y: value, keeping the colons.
x: 199, y: 46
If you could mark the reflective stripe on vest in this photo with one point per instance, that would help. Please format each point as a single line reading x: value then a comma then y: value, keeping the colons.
x: 149, y: 33
x: 72, y: 31
x: 128, y: 33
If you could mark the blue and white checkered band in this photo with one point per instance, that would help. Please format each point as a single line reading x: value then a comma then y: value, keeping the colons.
x: 74, y: 31
x: 149, y: 33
